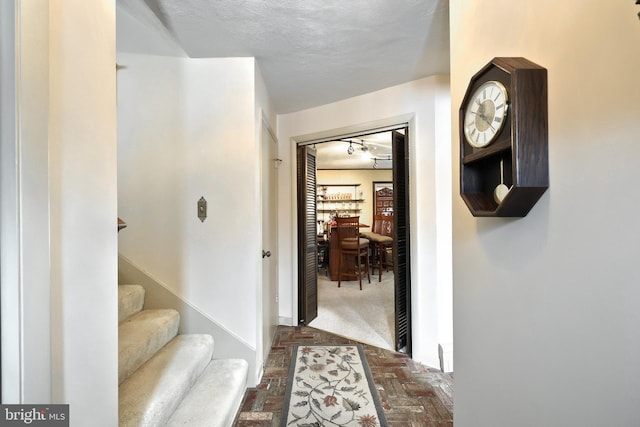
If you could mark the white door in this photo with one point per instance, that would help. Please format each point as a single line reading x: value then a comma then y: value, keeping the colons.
x: 269, y: 239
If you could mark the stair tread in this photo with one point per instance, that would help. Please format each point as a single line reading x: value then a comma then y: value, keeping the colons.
x: 142, y: 335
x: 150, y: 395
x: 215, y: 398
x: 130, y: 301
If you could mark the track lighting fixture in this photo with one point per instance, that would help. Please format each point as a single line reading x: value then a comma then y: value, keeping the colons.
x: 375, y: 160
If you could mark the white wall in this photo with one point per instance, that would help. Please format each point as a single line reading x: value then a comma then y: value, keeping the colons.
x: 546, y: 307
x: 264, y: 106
x: 191, y: 128
x: 186, y: 131
x: 64, y: 222
x: 140, y: 31
x: 82, y: 170
x: 151, y: 156
x: 425, y: 102
x: 223, y: 253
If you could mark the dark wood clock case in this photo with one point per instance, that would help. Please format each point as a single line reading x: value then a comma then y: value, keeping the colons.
x: 521, y: 145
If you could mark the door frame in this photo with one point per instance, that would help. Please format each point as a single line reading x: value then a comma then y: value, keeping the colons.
x: 401, y: 122
x: 10, y: 330
x: 268, y: 137
x: 25, y: 274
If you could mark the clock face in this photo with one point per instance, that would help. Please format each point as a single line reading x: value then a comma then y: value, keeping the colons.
x: 485, y: 114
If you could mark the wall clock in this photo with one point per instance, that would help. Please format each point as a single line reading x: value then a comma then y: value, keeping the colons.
x: 485, y: 114
x: 504, y: 167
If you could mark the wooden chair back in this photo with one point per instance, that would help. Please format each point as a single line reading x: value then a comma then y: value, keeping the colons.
x: 383, y: 225
x: 348, y: 228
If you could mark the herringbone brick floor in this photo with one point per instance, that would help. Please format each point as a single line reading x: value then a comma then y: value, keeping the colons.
x: 412, y: 394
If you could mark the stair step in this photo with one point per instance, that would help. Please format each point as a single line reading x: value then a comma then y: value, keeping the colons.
x: 141, y: 336
x: 215, y: 398
x: 130, y: 301
x: 152, y: 393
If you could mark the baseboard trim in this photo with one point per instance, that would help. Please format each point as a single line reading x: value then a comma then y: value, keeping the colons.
x: 287, y: 321
x: 445, y: 351
x: 192, y: 320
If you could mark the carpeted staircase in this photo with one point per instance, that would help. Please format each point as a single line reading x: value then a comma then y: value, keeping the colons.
x: 166, y: 379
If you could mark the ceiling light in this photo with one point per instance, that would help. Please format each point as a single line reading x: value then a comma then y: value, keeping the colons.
x: 350, y: 149
x: 375, y: 160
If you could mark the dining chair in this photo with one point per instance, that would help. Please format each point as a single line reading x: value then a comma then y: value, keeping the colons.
x: 353, y: 250
x: 381, y: 238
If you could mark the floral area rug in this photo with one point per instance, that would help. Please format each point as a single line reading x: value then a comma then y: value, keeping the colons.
x: 331, y: 386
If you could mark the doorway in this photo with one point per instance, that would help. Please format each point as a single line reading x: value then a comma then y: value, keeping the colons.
x: 312, y: 219
x: 269, y: 203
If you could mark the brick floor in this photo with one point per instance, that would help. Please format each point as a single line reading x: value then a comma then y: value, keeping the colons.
x: 412, y: 394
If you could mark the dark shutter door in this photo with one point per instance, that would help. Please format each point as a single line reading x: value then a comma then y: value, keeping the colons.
x: 307, y: 238
x: 401, y: 241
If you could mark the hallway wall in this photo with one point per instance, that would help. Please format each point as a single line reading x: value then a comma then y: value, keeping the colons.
x: 83, y: 209
x: 546, y: 307
x: 190, y: 128
x: 185, y: 132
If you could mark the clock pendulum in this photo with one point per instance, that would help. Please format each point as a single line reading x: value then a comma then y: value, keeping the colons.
x: 501, y: 190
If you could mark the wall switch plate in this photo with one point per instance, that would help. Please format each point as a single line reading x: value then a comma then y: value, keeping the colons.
x: 202, y: 209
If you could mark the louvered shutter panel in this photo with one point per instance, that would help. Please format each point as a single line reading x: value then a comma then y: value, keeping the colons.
x: 401, y: 242
x: 308, y: 243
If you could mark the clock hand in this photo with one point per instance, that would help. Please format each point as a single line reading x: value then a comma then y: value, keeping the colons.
x: 484, y: 118
x: 488, y: 122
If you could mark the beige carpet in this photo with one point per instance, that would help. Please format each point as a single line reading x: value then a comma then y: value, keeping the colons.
x: 365, y: 315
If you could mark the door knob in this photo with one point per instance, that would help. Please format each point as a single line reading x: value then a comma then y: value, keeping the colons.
x: 266, y: 253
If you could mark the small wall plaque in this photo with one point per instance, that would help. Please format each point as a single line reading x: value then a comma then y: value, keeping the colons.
x: 202, y: 209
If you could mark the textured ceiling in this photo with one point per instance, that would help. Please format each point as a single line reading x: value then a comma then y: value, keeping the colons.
x: 313, y: 52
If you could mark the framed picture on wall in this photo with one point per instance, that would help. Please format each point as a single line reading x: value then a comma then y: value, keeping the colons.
x: 383, y: 198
